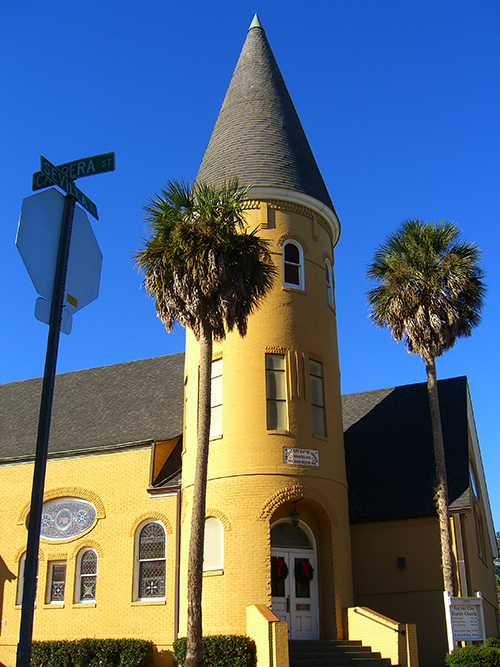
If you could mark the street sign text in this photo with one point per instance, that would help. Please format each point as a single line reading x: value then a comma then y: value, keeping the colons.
x: 65, y: 183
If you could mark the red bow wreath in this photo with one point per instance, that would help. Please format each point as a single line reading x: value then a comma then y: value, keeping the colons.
x: 279, y: 568
x: 304, y: 571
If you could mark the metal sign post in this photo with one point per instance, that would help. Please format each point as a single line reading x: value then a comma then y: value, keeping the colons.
x: 42, y: 444
x: 64, y: 179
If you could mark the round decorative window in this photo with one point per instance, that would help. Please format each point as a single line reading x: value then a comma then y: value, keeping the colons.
x: 64, y: 518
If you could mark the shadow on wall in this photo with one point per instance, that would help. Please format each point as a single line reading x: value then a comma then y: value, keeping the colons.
x: 5, y: 575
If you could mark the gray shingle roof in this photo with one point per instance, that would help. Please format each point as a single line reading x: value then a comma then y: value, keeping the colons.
x: 258, y: 137
x: 387, y: 432
x: 106, y: 406
x: 389, y: 449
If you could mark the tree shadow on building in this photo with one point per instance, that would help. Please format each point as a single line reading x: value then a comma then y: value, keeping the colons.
x: 5, y: 575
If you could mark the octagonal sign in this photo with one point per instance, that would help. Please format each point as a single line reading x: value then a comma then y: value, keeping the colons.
x: 38, y: 241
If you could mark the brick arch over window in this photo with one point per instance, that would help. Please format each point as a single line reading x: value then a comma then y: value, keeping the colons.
x: 67, y: 492
x: 86, y: 544
x: 153, y: 516
x: 217, y: 514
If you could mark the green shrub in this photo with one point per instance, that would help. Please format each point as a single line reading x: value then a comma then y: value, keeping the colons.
x: 493, y: 641
x: 92, y: 653
x: 474, y: 656
x: 221, y: 651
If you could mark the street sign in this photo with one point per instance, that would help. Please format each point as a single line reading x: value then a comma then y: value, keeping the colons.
x: 65, y: 183
x: 37, y: 241
x: 87, y: 166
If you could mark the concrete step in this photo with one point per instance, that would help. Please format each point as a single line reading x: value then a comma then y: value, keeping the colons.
x: 334, y: 653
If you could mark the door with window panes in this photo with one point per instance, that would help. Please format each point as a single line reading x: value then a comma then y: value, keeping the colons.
x: 293, y: 580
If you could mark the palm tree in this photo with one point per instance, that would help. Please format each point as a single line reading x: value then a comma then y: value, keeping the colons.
x: 206, y: 273
x: 430, y: 293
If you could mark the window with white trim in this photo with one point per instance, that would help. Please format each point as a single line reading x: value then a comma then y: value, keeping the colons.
x: 86, y: 576
x: 329, y: 283
x: 276, y: 392
x: 317, y: 397
x: 293, y: 265
x: 213, y: 548
x: 216, y: 404
x: 150, y: 550
x: 56, y: 582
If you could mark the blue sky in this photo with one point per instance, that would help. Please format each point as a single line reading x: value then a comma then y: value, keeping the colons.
x: 399, y: 100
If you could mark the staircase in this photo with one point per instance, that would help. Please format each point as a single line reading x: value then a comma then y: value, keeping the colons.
x: 334, y: 653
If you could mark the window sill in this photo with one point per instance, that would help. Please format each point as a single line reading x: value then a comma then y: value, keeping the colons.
x: 216, y: 437
x: 213, y: 573
x: 290, y: 288
x: 320, y: 437
x: 54, y: 605
x: 149, y: 603
x: 272, y: 432
x: 83, y: 605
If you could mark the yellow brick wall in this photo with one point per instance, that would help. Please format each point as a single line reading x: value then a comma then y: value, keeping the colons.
x: 248, y: 482
x: 116, y: 483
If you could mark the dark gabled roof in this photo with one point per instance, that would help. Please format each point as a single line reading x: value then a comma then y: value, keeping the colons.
x: 258, y: 137
x: 104, y: 407
x: 389, y: 450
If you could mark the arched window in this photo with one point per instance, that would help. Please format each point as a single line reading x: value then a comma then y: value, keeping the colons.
x: 213, y: 549
x: 20, y: 579
x: 150, y: 561
x: 329, y: 282
x: 86, y: 576
x: 293, y: 265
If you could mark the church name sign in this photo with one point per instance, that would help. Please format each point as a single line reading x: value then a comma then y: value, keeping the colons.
x: 301, y: 457
x: 464, y: 619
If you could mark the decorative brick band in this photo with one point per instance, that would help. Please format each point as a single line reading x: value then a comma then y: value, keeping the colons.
x: 279, y: 204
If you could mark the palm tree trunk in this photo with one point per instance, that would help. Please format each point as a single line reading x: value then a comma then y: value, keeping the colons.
x: 441, y: 486
x: 196, y: 541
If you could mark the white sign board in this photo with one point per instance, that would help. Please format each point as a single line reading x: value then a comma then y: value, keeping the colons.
x: 464, y: 619
x: 300, y: 457
x: 38, y: 241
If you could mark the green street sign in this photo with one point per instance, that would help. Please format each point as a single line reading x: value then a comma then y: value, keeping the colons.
x: 54, y: 175
x: 87, y: 166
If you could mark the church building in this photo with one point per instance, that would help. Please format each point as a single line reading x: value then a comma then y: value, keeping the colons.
x: 320, y: 522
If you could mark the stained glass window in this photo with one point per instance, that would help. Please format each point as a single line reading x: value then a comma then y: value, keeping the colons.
x: 64, y: 518
x: 152, y: 561
x: 57, y: 581
x: 88, y: 575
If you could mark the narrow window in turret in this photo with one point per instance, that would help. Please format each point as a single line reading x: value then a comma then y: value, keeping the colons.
x: 317, y: 398
x: 329, y: 282
x: 293, y: 265
x: 276, y: 392
x: 216, y: 411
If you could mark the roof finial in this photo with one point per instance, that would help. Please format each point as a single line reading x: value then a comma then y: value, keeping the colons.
x: 256, y: 22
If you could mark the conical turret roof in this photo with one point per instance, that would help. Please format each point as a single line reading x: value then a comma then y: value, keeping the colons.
x: 258, y: 137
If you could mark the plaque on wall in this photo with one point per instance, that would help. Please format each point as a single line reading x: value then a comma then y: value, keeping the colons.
x: 301, y: 457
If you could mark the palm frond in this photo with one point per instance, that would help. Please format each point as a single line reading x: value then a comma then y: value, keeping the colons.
x: 430, y: 286
x: 199, y: 256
